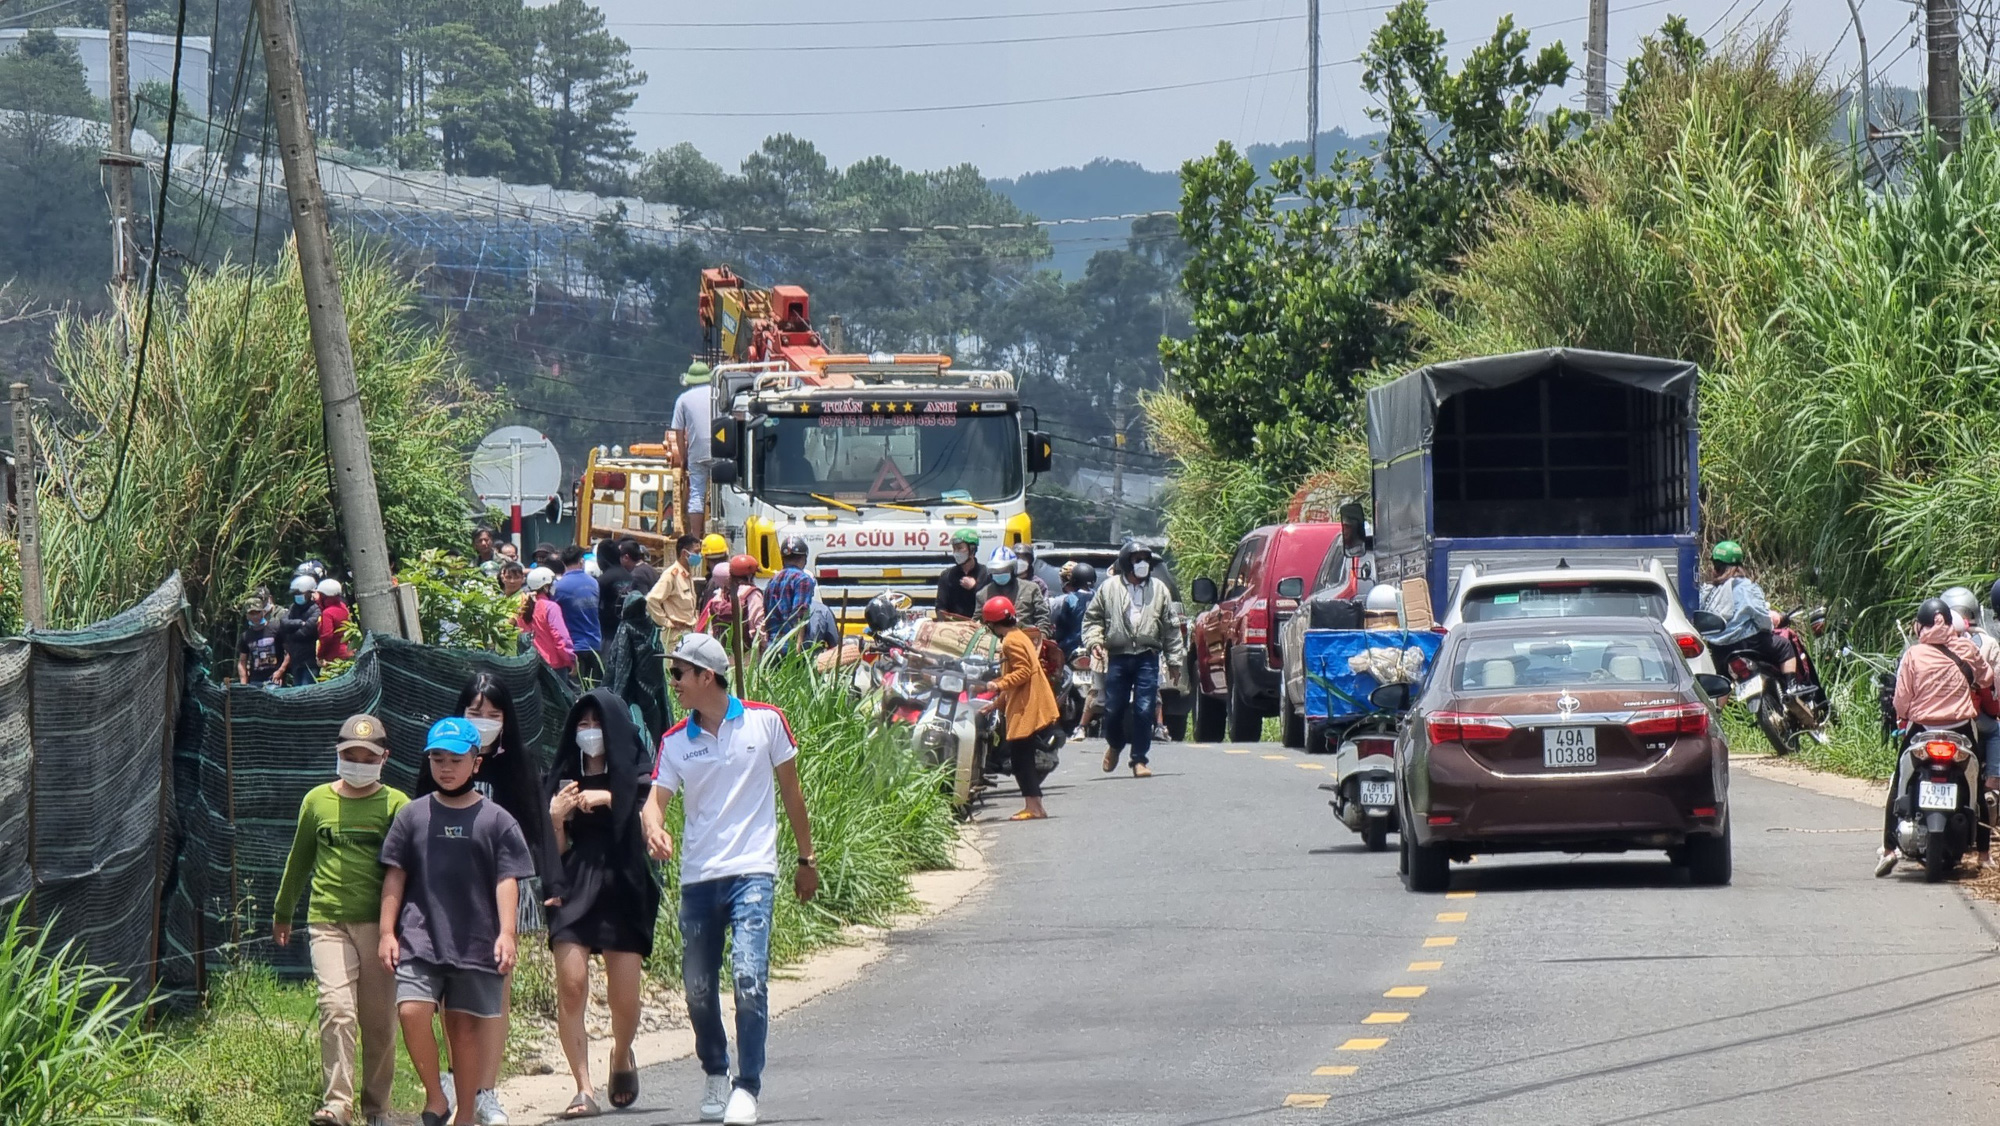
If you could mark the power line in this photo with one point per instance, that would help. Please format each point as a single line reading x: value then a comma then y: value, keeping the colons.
x: 767, y: 49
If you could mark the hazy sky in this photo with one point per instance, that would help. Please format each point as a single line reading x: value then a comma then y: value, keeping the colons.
x: 815, y: 61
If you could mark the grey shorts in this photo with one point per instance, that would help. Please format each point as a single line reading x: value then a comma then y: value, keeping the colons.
x: 479, y: 993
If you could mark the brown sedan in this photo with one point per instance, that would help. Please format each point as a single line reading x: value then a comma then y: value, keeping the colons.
x: 1577, y: 735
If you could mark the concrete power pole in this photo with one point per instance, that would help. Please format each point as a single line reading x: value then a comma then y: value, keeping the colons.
x: 118, y: 53
x: 1312, y: 86
x: 1118, y: 479
x: 34, y: 609
x: 1861, y: 37
x: 326, y: 316
x: 1596, y: 80
x: 1942, y: 89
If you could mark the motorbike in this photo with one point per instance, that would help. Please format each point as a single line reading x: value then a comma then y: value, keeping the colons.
x: 1937, y: 811
x: 1364, y: 779
x: 1074, y: 699
x: 938, y: 700
x: 1783, y: 718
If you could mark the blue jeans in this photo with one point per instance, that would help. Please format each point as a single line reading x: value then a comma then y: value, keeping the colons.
x: 1131, y: 689
x: 737, y: 908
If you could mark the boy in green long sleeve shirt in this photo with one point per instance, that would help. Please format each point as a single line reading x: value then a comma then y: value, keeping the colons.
x: 337, y: 848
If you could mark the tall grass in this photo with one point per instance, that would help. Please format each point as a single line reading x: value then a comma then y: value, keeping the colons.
x: 71, y: 1045
x: 226, y: 478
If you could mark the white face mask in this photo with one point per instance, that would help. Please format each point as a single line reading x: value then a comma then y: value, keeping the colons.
x: 960, y: 554
x: 359, y: 775
x: 489, y: 729
x: 1141, y: 568
x: 590, y: 740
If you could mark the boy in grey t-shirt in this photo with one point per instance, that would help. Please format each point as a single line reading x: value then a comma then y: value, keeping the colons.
x: 449, y: 905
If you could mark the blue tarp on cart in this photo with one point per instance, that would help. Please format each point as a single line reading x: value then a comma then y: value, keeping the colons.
x: 1343, y: 666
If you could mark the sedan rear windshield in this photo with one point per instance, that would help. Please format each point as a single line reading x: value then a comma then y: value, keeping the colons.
x: 1581, y: 661
x: 1501, y: 602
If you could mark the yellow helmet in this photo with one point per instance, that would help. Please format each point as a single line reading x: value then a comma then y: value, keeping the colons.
x: 713, y: 544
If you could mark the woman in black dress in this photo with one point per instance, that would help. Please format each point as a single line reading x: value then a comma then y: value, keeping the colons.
x: 509, y: 777
x: 597, y: 786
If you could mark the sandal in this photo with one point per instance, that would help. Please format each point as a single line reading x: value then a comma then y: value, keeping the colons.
x: 1025, y: 815
x: 624, y: 1088
x: 582, y: 1106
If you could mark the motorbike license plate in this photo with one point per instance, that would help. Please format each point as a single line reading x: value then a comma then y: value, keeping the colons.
x: 1378, y: 793
x: 1569, y: 746
x: 1937, y: 795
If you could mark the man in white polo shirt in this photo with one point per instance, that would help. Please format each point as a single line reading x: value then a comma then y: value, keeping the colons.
x: 730, y: 759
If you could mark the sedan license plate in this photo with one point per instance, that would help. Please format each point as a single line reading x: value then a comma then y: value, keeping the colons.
x: 1378, y: 793
x: 1937, y: 795
x: 1569, y: 746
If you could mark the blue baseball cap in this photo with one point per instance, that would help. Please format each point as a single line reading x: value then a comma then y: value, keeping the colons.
x: 453, y: 735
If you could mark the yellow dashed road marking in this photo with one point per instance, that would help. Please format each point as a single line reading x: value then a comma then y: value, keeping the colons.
x: 1362, y: 1044
x: 1309, y: 1102
x: 1385, y: 1018
x: 1275, y: 758
x: 1460, y: 894
x: 1422, y: 967
x: 1311, y: 766
x: 1235, y: 751
x: 1451, y: 916
x: 1408, y: 991
x: 1346, y: 1070
x: 1442, y: 940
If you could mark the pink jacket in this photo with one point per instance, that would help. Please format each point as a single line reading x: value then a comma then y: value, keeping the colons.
x: 543, y: 619
x: 1931, y: 689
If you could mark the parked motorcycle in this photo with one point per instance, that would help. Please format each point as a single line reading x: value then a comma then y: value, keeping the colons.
x: 1075, y: 699
x: 1937, y: 810
x: 1783, y: 718
x: 939, y: 700
x: 1364, y: 779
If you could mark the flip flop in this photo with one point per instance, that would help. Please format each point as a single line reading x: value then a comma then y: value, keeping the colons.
x: 582, y: 1106
x: 624, y: 1088
x: 1024, y: 815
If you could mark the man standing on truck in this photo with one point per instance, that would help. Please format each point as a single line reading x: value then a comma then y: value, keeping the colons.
x: 691, y: 415
x: 958, y: 587
x: 1131, y: 622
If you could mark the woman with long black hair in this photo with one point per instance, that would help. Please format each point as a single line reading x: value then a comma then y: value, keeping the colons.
x: 599, y: 783
x: 506, y: 775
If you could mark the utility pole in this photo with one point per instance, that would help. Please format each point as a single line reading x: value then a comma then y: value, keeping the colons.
x: 1941, y: 94
x: 1312, y: 86
x: 1596, y: 80
x: 1118, y: 478
x: 118, y: 53
x: 1861, y: 37
x: 326, y: 316
x: 33, y: 607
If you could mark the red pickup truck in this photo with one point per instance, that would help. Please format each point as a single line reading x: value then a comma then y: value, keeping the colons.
x: 1236, y: 650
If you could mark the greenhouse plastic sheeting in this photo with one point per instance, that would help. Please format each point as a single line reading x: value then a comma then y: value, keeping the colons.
x: 1343, y: 666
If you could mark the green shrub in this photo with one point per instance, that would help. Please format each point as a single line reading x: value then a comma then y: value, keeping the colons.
x: 10, y: 588
x: 71, y: 1045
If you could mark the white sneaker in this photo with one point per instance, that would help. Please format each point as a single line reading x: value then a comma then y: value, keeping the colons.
x: 742, y: 1109
x: 486, y: 1109
x: 1885, y: 862
x: 450, y: 1096
x: 714, y: 1098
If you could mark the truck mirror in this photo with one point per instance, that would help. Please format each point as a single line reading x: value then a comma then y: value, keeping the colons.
x: 723, y: 473
x: 1353, y: 529
x: 1041, y: 452
x: 1291, y: 587
x: 1204, y: 591
x: 552, y: 512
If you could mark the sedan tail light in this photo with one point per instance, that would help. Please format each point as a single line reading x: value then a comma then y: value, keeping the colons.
x: 1465, y: 727
x: 1691, y: 645
x: 1674, y: 719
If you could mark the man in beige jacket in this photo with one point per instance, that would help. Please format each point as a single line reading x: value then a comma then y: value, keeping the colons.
x: 671, y: 602
x: 1131, y: 620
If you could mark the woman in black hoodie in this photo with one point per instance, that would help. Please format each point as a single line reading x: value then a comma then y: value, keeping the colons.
x: 508, y: 776
x: 597, y: 786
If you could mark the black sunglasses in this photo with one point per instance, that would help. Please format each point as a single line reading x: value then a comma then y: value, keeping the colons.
x: 677, y: 671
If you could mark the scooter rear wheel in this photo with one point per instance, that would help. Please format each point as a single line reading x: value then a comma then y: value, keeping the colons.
x: 1375, y: 834
x: 1939, y: 862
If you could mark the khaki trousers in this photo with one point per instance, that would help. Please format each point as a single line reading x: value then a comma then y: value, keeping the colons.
x: 355, y: 993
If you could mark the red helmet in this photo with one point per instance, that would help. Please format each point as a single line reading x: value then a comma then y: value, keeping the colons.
x: 997, y: 609
x: 743, y: 566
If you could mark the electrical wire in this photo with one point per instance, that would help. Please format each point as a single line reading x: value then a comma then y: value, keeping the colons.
x: 152, y: 286
x: 793, y: 48
x: 881, y: 21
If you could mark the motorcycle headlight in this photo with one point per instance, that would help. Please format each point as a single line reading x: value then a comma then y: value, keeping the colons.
x: 951, y: 683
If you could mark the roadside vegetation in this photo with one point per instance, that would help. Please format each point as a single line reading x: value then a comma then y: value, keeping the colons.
x: 72, y: 1049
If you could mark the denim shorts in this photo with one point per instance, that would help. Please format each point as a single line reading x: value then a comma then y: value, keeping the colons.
x: 479, y: 993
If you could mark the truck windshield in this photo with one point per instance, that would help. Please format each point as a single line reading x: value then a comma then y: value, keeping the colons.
x: 859, y: 458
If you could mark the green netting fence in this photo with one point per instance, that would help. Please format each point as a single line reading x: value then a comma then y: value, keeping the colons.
x: 146, y: 808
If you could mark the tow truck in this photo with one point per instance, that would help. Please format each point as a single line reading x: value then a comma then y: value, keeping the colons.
x: 874, y: 460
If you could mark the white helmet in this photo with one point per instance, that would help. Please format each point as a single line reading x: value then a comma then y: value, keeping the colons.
x: 1383, y: 597
x: 591, y: 568
x: 540, y: 578
x: 1964, y: 604
x: 1002, y: 559
x: 303, y: 584
x: 329, y: 588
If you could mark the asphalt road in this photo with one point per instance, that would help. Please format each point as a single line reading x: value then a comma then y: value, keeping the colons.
x: 1210, y: 945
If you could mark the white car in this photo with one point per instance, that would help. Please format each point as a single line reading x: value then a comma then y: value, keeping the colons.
x: 1643, y: 590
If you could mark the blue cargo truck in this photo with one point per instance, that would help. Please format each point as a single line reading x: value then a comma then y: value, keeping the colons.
x: 1534, y: 459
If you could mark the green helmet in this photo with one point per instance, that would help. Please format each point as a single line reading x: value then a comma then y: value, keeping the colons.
x: 1728, y: 552
x: 697, y: 373
x: 966, y: 535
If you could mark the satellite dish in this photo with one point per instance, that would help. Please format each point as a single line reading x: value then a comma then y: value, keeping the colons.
x: 516, y: 464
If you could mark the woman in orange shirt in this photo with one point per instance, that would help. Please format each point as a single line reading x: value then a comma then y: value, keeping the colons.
x: 1025, y: 700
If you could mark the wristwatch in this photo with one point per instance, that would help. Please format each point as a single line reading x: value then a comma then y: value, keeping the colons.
x: 807, y: 862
